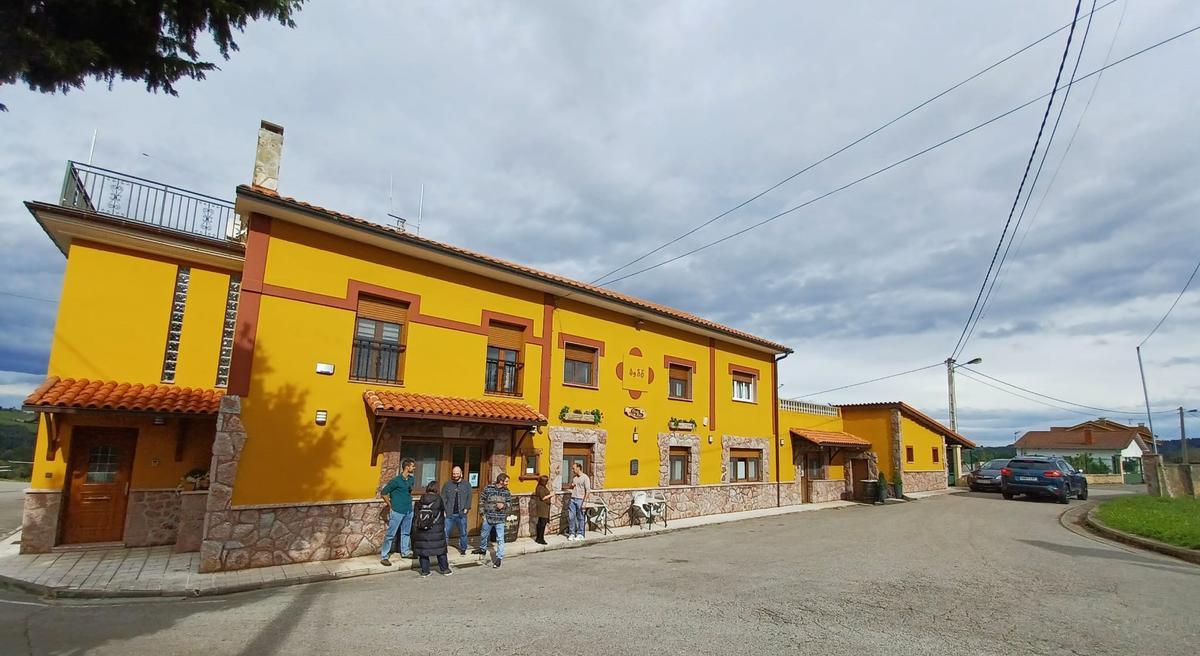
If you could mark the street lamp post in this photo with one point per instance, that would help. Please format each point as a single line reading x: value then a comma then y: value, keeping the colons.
x: 950, y: 367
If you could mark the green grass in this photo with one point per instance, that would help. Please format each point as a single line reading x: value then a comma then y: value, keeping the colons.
x: 1174, y: 521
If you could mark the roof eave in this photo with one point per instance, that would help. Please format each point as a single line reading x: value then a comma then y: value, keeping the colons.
x: 248, y: 197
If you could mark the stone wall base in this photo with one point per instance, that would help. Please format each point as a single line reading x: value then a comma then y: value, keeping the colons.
x: 191, y: 521
x: 151, y: 518
x: 1105, y: 479
x: 925, y: 481
x: 238, y: 539
x: 828, y: 490
x: 39, y: 521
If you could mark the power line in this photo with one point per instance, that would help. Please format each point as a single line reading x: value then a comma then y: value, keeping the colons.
x: 1066, y: 151
x: 1027, y: 398
x: 873, y: 380
x: 1054, y: 398
x: 1172, y: 308
x: 1020, y: 188
x: 1062, y: 106
x: 896, y: 163
x: 31, y: 298
x: 841, y: 150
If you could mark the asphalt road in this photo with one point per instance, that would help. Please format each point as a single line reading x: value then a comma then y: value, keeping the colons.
x: 12, y: 501
x: 962, y: 574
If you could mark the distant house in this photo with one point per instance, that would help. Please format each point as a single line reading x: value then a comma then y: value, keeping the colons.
x: 1101, y: 440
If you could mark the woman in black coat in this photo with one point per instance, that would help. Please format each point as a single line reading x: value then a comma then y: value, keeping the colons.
x: 429, y: 530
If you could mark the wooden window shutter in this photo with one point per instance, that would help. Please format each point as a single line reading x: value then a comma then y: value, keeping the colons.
x: 744, y: 453
x: 372, y: 308
x: 581, y: 353
x: 678, y: 372
x: 504, y: 335
x: 746, y: 378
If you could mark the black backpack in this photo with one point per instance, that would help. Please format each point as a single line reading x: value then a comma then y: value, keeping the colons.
x: 426, y: 517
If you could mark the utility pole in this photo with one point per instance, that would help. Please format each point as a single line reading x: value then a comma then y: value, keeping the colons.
x: 950, y: 385
x: 1146, y: 396
x: 1183, y: 445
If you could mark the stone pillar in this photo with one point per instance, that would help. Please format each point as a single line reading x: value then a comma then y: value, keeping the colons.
x: 227, y: 449
x: 897, y: 449
x: 39, y: 520
x: 1151, y: 474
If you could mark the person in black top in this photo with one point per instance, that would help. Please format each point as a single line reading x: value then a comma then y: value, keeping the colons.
x: 429, y: 530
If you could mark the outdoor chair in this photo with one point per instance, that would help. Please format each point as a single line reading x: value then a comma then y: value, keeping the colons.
x: 647, y: 506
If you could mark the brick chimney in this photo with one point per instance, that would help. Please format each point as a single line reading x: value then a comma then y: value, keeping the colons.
x: 266, y: 157
x: 1088, y: 438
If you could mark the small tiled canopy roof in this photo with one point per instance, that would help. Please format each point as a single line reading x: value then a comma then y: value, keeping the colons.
x: 383, y: 403
x: 66, y: 394
x: 830, y: 438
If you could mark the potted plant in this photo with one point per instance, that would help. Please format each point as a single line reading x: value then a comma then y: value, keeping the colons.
x: 580, y: 416
x: 195, y: 479
x: 681, y: 424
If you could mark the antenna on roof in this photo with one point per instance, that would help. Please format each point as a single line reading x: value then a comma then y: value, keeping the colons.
x: 397, y: 221
x: 420, y: 208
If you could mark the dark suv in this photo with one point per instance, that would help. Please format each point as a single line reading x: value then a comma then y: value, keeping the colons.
x: 987, y: 477
x: 1042, y: 476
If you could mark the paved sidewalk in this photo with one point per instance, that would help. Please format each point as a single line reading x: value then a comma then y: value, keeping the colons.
x: 156, y: 571
x: 935, y: 493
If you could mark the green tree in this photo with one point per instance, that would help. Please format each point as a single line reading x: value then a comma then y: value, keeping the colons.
x: 56, y: 45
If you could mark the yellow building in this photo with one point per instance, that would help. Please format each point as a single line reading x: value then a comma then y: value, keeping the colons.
x: 335, y: 347
x: 829, y: 463
x: 912, y: 447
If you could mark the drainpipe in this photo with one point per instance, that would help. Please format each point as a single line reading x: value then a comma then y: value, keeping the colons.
x: 775, y: 423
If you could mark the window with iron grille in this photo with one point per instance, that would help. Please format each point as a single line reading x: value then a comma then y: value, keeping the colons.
x: 377, y: 355
x: 175, y: 324
x: 502, y: 373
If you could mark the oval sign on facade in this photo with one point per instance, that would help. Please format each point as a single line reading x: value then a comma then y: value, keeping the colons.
x: 635, y: 413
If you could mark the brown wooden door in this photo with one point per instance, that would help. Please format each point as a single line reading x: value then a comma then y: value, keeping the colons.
x: 98, y: 490
x: 859, y: 470
x: 435, y: 459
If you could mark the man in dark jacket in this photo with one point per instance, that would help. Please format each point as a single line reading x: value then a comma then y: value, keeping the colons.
x: 494, y: 503
x: 456, y: 496
x: 429, y: 530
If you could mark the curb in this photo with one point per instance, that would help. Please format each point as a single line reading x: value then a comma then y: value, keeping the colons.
x: 54, y: 592
x: 1182, y: 553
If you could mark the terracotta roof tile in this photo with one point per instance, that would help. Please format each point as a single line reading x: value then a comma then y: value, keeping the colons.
x: 829, y: 438
x: 388, y: 403
x: 915, y: 415
x: 1107, y: 440
x: 495, y: 261
x: 84, y: 394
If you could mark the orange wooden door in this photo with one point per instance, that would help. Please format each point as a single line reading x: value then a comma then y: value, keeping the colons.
x: 98, y: 490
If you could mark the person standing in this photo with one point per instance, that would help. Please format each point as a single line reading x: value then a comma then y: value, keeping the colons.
x: 581, y: 487
x: 494, y: 503
x: 397, y: 494
x: 429, y: 530
x: 456, y: 496
x: 541, y: 507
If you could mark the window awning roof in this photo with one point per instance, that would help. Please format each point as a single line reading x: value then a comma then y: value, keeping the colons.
x: 82, y: 394
x: 384, y: 403
x: 836, y: 439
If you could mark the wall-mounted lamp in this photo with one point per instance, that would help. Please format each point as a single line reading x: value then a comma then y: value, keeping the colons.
x: 710, y: 439
x: 781, y: 441
x: 325, y: 368
x: 635, y: 436
x: 322, y: 417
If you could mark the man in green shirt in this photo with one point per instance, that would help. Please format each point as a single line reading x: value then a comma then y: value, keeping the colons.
x: 397, y: 494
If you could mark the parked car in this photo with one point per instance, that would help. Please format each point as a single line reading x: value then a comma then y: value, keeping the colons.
x: 987, y: 477
x: 1042, y: 476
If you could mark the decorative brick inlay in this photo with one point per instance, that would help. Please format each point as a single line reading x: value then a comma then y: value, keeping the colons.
x: 924, y: 481
x: 560, y: 435
x: 762, y: 444
x: 39, y: 521
x: 151, y: 518
x: 191, y: 521
x: 668, y: 440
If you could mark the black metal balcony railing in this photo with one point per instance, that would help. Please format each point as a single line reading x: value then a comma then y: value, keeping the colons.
x: 375, y: 362
x: 500, y: 376
x: 93, y: 189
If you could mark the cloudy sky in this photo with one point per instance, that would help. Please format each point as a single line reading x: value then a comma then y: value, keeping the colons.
x: 575, y: 137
